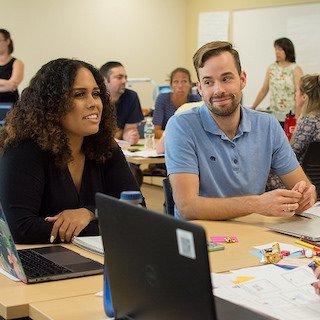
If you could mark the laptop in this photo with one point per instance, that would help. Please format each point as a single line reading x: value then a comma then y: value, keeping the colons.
x: 44, y: 263
x: 305, y: 226
x: 158, y: 266
x: 4, y: 109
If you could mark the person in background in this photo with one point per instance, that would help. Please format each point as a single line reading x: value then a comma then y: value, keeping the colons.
x: 127, y: 103
x: 308, y: 127
x: 11, y: 69
x: 282, y: 80
x: 57, y: 150
x: 219, y: 155
x: 167, y: 103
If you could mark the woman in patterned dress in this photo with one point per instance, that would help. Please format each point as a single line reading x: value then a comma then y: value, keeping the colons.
x: 282, y: 80
x: 308, y: 127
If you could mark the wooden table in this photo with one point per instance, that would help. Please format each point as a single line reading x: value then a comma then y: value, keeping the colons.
x: 15, y: 297
x: 141, y: 160
x: 250, y: 231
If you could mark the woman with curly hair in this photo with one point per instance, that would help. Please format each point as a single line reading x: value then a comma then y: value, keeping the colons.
x: 57, y: 151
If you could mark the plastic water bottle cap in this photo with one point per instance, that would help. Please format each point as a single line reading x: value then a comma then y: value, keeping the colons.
x: 130, y: 195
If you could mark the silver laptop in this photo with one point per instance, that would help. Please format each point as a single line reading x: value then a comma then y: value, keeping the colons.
x: 44, y: 263
x: 306, y: 226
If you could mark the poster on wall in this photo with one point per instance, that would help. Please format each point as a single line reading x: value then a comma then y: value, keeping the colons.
x: 213, y: 26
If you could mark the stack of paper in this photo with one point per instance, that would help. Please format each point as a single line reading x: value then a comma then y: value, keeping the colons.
x: 270, y: 290
x: 93, y: 244
x: 143, y: 154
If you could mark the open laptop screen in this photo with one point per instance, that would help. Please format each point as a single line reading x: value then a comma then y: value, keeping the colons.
x: 9, y: 258
x: 4, y: 109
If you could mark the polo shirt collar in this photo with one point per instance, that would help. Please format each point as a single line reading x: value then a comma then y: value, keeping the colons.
x: 210, y: 125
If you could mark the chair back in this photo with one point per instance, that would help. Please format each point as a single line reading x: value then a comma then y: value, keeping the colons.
x: 168, y: 197
x: 311, y: 164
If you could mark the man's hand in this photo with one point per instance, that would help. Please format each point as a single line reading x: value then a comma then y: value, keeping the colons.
x: 317, y: 284
x: 279, y: 203
x: 132, y: 136
x: 308, y: 192
x: 69, y: 223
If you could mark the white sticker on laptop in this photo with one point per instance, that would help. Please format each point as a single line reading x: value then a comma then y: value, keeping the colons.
x: 186, y: 243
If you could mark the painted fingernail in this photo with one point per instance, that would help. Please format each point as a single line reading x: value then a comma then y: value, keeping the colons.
x: 51, y: 239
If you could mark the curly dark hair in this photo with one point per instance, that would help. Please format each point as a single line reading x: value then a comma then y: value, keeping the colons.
x: 43, y: 104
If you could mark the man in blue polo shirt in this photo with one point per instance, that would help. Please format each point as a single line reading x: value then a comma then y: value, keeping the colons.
x: 127, y: 103
x: 218, y: 157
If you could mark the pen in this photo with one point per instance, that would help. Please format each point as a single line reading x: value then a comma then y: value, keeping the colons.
x: 307, y: 245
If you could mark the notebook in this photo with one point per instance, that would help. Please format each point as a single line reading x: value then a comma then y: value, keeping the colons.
x: 158, y: 267
x: 93, y: 244
x: 44, y: 263
x: 305, y: 226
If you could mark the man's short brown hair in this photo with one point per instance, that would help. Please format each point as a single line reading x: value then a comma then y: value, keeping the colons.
x: 212, y: 49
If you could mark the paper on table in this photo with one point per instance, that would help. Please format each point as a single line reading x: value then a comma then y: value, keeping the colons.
x: 93, y: 243
x: 8, y: 275
x: 283, y: 246
x: 281, y: 294
x: 314, y: 210
x: 143, y: 154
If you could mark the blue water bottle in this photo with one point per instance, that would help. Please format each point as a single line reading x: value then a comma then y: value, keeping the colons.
x: 131, y: 197
x: 107, y: 300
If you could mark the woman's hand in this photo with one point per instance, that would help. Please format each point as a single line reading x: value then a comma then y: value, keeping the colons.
x: 69, y: 223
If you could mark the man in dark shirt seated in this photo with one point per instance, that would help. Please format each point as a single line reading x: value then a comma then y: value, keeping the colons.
x: 127, y: 103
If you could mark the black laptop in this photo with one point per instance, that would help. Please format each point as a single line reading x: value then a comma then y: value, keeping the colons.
x: 4, y: 109
x: 44, y: 263
x: 158, y: 266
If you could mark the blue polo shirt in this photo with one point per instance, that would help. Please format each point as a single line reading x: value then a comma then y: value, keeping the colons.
x: 128, y: 109
x: 195, y: 144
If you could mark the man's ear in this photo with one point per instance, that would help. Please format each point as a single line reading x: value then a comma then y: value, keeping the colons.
x: 199, y: 88
x: 243, y: 80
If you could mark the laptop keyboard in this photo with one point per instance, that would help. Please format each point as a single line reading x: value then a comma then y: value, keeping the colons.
x: 36, y: 266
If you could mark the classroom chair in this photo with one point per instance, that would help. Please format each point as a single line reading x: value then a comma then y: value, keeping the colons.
x: 168, y: 205
x: 311, y: 165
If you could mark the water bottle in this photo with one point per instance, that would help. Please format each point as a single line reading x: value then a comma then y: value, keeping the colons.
x: 131, y: 197
x: 149, y: 134
x: 290, y: 124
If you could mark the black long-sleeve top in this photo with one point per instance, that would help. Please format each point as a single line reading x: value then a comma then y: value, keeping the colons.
x: 32, y: 187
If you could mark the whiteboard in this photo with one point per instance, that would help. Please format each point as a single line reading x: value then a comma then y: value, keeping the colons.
x: 213, y: 26
x: 255, y: 30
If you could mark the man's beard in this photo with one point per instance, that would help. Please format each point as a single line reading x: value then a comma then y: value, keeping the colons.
x: 224, y: 111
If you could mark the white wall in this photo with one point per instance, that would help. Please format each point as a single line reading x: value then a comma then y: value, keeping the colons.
x: 147, y: 36
x: 253, y: 37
